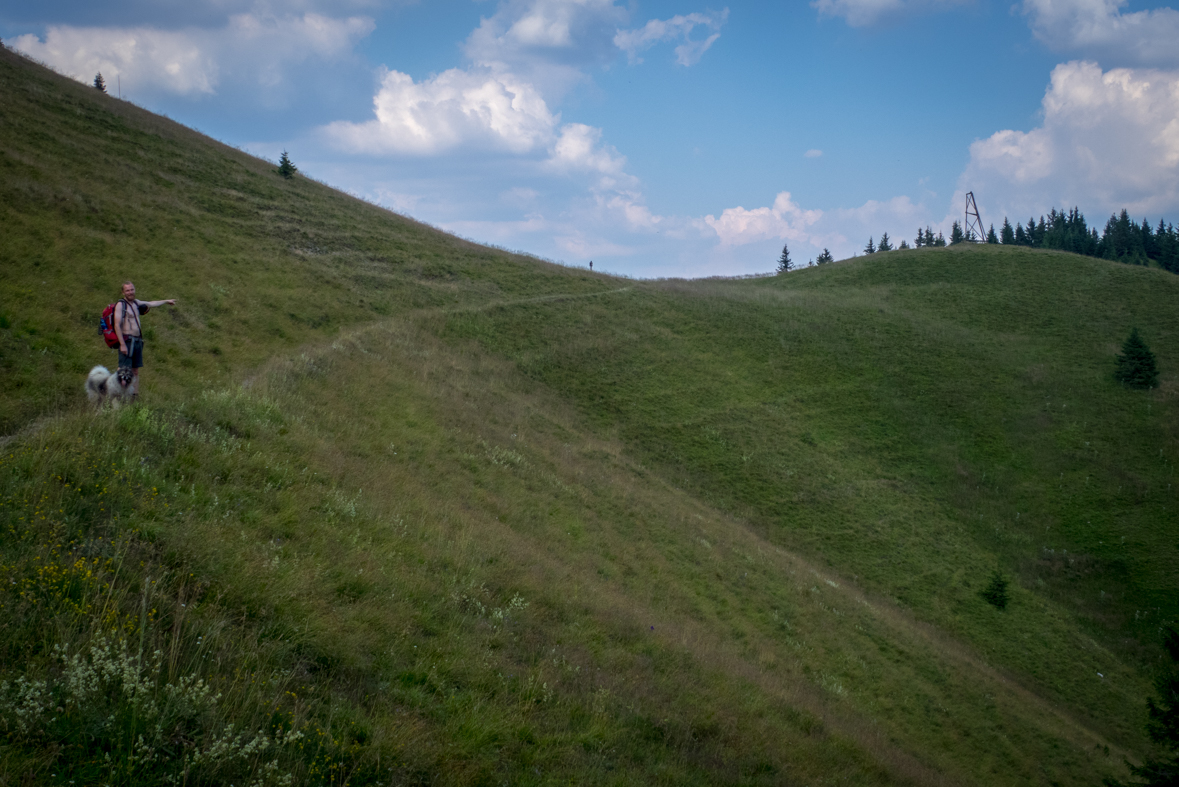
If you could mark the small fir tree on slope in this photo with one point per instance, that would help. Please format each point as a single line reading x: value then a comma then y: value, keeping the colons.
x: 99, y: 82
x: 784, y: 263
x: 286, y: 167
x: 1136, y: 364
x: 995, y: 593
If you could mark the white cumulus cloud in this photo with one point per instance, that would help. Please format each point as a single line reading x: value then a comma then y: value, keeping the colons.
x: 172, y: 61
x: 678, y: 28
x: 899, y: 217
x: 842, y: 230
x: 457, y: 108
x: 1109, y: 139
x: 1098, y: 29
x: 628, y: 206
x: 785, y: 219
x: 194, y: 61
x: 550, y: 43
x: 576, y: 31
x: 580, y: 148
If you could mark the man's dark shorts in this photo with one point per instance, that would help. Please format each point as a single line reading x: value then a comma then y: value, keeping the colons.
x: 134, y: 355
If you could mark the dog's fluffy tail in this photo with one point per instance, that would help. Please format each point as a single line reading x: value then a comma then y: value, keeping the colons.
x: 96, y: 384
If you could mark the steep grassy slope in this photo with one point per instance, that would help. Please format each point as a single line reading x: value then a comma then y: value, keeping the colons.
x: 460, y: 517
x: 916, y: 420
x: 94, y: 190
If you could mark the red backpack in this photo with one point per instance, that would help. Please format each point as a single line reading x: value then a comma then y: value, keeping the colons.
x: 106, y: 326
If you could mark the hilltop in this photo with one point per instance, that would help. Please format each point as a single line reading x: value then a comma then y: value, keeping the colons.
x: 402, y: 508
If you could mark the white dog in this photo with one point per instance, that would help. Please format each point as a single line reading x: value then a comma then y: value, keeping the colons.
x: 102, y: 386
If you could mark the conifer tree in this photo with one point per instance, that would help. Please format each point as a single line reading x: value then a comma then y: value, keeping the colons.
x: 904, y: 244
x: 885, y: 243
x: 1168, y: 241
x: 1033, y: 241
x: 995, y: 593
x: 286, y: 167
x: 99, y: 82
x: 824, y: 258
x: 956, y: 235
x: 920, y: 238
x: 1136, y: 365
x: 1007, y: 234
x: 1121, y: 240
x: 940, y: 240
x: 870, y: 248
x: 1163, y: 723
x: 1149, y: 246
x: 991, y: 236
x: 784, y: 263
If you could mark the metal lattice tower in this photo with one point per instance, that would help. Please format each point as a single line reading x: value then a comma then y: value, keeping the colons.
x: 973, y: 222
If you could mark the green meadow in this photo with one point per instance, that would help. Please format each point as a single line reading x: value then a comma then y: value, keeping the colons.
x: 396, y: 508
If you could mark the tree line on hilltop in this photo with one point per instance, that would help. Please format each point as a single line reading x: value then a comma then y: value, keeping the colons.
x: 1122, y: 240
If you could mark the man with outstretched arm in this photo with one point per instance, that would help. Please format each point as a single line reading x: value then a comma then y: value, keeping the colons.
x: 127, y: 328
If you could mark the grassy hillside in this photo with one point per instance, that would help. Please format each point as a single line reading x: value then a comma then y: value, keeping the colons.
x: 95, y: 190
x: 397, y: 508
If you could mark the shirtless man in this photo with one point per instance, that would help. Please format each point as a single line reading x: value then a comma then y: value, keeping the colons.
x: 126, y: 317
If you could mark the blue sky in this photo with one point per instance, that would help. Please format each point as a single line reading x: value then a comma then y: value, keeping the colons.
x: 663, y: 137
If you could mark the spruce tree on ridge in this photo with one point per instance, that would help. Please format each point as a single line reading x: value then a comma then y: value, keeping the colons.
x: 784, y: 263
x: 286, y: 167
x: 1007, y: 235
